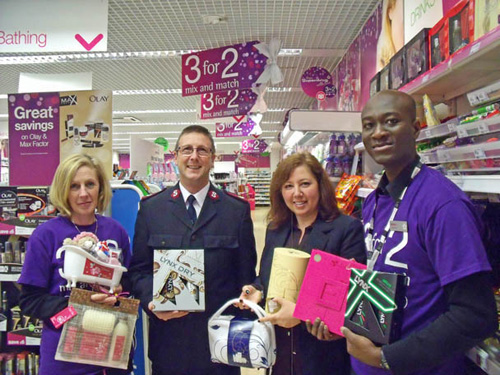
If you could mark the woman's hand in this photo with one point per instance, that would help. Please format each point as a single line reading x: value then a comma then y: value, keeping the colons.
x: 284, y: 317
x: 167, y: 315
x: 320, y: 330
x: 249, y: 293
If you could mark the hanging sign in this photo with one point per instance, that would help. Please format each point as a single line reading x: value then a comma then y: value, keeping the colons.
x: 315, y: 79
x: 227, y: 103
x: 253, y: 146
x: 53, y: 26
x: 221, y: 69
x: 241, y: 128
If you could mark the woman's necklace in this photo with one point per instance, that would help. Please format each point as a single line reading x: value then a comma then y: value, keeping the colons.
x: 96, y: 226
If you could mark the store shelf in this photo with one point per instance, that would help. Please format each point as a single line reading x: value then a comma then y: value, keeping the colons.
x: 442, y: 130
x: 478, y: 183
x: 470, y: 152
x: 481, y: 358
x: 260, y: 181
x: 472, y: 67
x: 487, y: 126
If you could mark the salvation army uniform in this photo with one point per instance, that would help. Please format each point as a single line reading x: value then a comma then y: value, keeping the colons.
x: 224, y: 230
x: 297, y: 347
x: 434, y: 240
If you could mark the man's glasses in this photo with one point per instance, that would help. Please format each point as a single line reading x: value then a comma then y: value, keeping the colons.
x: 188, y: 151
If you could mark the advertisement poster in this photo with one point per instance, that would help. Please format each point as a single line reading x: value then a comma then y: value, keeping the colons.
x: 85, y: 125
x: 222, y: 69
x: 253, y: 146
x: 368, y: 51
x: 350, y: 85
x: 314, y: 80
x: 227, y: 103
x: 33, y: 138
x: 241, y: 128
x: 419, y: 14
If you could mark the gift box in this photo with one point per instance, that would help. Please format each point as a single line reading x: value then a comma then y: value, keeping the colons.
x: 375, y: 84
x: 375, y: 305
x: 287, y: 272
x: 417, y: 55
x: 397, y: 66
x: 98, y: 334
x: 324, y: 290
x: 486, y: 16
x: 438, y: 42
x: 179, y: 280
x: 385, y: 78
x: 461, y: 25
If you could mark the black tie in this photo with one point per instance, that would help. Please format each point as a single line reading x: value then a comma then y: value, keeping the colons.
x: 191, y: 211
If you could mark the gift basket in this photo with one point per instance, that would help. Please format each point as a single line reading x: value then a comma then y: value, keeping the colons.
x: 92, y: 261
x: 99, y: 334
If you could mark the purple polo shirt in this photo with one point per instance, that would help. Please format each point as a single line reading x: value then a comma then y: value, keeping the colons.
x: 442, y: 245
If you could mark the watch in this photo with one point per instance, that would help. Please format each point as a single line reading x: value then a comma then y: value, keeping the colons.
x: 383, y: 361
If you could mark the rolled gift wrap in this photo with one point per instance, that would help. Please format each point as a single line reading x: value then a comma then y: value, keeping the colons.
x: 287, y: 272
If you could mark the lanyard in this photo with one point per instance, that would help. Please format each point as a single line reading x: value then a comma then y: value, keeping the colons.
x: 369, y: 237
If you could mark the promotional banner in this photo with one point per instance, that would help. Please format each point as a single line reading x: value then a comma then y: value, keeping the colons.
x: 227, y: 103
x: 254, y: 161
x: 314, y: 80
x: 33, y: 138
x: 368, y: 51
x: 253, y: 146
x: 349, y: 79
x: 86, y: 118
x: 241, y: 128
x: 221, y: 69
x: 53, y: 26
x: 420, y: 14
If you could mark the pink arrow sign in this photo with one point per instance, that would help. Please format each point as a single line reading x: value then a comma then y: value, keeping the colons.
x: 92, y: 44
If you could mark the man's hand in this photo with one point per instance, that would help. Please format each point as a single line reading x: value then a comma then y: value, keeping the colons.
x: 249, y: 293
x: 284, y: 317
x: 107, y: 299
x: 166, y: 315
x: 362, y: 348
x: 320, y: 330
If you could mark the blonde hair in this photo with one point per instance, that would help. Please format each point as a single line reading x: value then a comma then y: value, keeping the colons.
x: 59, y: 190
x: 385, y: 44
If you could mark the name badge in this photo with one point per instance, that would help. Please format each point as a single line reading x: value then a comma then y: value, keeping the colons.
x: 399, y: 226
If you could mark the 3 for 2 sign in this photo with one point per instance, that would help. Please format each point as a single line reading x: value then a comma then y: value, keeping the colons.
x: 221, y: 69
x: 253, y: 146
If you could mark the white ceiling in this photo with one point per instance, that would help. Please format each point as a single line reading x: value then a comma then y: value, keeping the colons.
x: 323, y: 29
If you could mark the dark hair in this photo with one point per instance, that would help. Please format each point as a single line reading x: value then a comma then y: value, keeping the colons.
x: 327, y: 205
x: 196, y: 129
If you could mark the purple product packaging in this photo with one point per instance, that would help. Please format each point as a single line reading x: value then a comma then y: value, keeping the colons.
x: 398, y: 68
x: 375, y: 84
x: 385, y: 78
x: 417, y: 55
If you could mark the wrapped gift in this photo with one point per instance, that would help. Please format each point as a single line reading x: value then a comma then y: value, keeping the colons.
x: 178, y: 280
x: 324, y: 290
x: 97, y: 334
x: 375, y: 305
x: 287, y: 272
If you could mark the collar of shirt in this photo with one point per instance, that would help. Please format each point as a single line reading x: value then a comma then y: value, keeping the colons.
x: 200, y: 197
x: 294, y: 237
x: 396, y: 187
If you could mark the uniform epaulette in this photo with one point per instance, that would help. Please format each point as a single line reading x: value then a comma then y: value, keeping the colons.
x: 146, y: 197
x: 235, y: 196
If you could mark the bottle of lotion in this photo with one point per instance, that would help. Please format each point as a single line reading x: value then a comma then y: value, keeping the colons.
x: 118, y: 341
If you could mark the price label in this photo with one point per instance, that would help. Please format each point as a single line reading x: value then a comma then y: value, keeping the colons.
x: 426, y: 78
x: 483, y: 128
x: 475, y: 48
x: 452, y: 127
x: 479, y: 153
x: 427, y: 133
x: 482, y: 359
x: 461, y: 132
x: 222, y: 69
x: 425, y: 159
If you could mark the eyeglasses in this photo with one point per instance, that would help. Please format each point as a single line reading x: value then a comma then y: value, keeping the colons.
x: 188, y: 151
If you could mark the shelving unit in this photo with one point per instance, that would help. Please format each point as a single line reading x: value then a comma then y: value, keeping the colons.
x: 481, y: 358
x: 261, y: 182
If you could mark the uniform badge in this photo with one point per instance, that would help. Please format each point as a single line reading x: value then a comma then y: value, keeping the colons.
x: 176, y: 194
x: 213, y: 195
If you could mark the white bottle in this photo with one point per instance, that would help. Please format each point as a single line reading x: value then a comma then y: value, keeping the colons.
x: 118, y: 341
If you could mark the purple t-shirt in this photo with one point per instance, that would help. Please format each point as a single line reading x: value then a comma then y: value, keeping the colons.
x: 442, y: 245
x: 41, y: 269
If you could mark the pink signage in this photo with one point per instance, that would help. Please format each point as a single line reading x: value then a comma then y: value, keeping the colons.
x: 227, y: 103
x: 221, y: 69
x: 241, y: 128
x: 315, y: 79
x: 254, y: 161
x: 33, y: 138
x: 253, y: 146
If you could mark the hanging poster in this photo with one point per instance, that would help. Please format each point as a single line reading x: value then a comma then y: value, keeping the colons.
x: 33, y: 138
x: 253, y: 146
x: 222, y: 69
x: 368, y: 51
x: 241, y: 128
x: 227, y: 103
x: 86, y: 125
x: 315, y: 79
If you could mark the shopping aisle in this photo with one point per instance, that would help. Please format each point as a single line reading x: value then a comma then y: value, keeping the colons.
x: 259, y: 230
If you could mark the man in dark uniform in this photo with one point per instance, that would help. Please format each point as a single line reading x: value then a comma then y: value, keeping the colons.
x: 214, y: 221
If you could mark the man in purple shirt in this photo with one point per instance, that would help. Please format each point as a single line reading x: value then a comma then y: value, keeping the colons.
x: 434, y: 239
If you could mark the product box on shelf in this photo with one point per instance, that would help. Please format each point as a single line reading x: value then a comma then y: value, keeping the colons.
x: 385, y: 78
x: 33, y: 209
x: 486, y: 16
x: 438, y: 42
x: 461, y: 25
x: 417, y: 55
x: 179, y: 280
x: 375, y: 305
x: 8, y: 208
x: 398, y: 69
x: 23, y: 330
x: 375, y: 84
